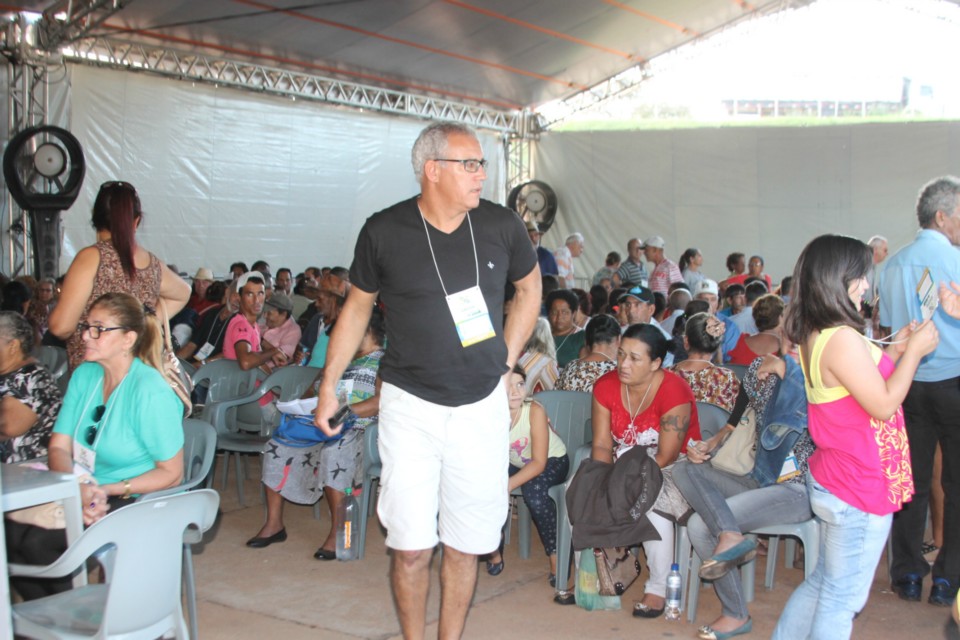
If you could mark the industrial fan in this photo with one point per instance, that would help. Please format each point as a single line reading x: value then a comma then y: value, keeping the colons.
x: 534, y: 201
x: 44, y: 168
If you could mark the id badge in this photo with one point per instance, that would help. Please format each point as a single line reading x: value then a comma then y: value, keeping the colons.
x: 84, y: 457
x: 790, y: 469
x: 928, y: 294
x: 204, y: 352
x: 470, y: 315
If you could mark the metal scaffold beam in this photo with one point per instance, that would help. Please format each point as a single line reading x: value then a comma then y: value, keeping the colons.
x: 198, y: 67
x: 69, y: 20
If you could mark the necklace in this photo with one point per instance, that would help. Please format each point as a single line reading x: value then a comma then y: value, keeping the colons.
x: 564, y: 341
x: 698, y: 360
x: 626, y: 392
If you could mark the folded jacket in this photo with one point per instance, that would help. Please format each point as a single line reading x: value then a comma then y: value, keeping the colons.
x: 602, y: 496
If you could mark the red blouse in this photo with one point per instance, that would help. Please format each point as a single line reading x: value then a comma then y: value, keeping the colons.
x: 672, y: 393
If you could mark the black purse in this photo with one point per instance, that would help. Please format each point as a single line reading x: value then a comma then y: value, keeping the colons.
x: 617, y: 568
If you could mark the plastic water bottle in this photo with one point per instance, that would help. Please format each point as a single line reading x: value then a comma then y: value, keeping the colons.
x: 349, y: 530
x: 674, y: 588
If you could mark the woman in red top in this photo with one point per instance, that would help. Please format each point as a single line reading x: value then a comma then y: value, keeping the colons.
x: 640, y: 404
x: 768, y: 315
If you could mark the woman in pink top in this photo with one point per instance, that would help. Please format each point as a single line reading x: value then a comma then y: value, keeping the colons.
x: 860, y: 474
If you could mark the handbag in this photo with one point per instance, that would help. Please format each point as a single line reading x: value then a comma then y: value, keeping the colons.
x: 586, y: 590
x: 617, y: 568
x: 737, y: 454
x: 49, y: 515
x: 173, y: 372
x: 300, y: 432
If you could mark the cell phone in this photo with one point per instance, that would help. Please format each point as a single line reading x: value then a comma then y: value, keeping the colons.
x: 340, y: 416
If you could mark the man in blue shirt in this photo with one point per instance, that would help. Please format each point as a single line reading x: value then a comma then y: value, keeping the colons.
x: 932, y: 407
x: 548, y: 264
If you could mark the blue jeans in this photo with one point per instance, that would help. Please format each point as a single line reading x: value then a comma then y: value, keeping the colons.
x: 724, y: 502
x: 851, y: 542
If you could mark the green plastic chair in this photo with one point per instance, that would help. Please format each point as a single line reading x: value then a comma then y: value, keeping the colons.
x: 569, y: 413
x: 141, y: 596
x: 244, y: 433
x: 371, y: 473
x: 199, y: 449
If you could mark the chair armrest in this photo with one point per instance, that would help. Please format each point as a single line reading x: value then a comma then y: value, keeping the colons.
x: 216, y: 412
x: 582, y: 453
x: 70, y: 561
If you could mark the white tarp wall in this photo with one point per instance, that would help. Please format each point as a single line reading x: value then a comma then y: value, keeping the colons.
x: 760, y: 190
x: 227, y: 175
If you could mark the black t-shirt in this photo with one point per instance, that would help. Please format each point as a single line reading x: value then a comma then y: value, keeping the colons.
x: 212, y: 329
x: 424, y: 355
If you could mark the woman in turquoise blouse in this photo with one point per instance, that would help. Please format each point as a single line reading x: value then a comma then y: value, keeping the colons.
x: 119, y: 430
x: 121, y: 422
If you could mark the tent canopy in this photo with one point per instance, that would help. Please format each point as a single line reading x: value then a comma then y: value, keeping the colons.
x: 505, y: 54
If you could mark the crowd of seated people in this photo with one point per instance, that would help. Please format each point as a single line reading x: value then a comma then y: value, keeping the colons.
x: 647, y: 341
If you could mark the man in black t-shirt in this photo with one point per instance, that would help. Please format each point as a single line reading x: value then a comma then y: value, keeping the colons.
x: 440, y: 263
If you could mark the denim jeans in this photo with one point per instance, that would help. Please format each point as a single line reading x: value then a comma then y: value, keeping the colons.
x: 724, y: 502
x: 851, y: 542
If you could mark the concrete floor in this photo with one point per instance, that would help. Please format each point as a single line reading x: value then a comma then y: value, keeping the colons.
x: 282, y: 592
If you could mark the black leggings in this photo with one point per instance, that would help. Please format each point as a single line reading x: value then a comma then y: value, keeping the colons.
x: 542, y: 509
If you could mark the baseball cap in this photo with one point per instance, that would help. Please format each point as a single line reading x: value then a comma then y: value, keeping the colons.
x: 242, y: 280
x: 707, y: 286
x: 655, y: 241
x: 641, y: 293
x: 203, y: 274
x: 280, y: 301
x: 532, y: 226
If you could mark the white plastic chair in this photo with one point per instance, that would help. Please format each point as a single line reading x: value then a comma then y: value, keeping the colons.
x: 199, y: 448
x: 141, y: 598
x: 808, y: 532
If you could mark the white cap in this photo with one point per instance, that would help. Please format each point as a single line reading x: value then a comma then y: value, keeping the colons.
x: 707, y: 286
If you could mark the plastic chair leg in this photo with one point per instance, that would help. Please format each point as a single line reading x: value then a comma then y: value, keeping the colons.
x: 564, y: 546
x: 694, y: 585
x: 191, y: 592
x: 773, y: 547
x: 238, y: 462
x: 367, y: 504
x: 524, y: 522
x: 747, y: 576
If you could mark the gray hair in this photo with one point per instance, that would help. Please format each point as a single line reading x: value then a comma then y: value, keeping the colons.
x: 14, y: 326
x: 679, y: 298
x: 876, y: 241
x: 576, y: 236
x: 432, y: 143
x: 541, y: 340
x: 940, y: 194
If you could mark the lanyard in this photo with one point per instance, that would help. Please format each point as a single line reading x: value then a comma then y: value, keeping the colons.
x: 476, y: 262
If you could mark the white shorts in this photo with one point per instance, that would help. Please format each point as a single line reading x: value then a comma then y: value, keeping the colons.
x: 446, y: 461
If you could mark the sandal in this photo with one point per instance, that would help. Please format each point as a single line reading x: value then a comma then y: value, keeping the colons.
x: 496, y: 568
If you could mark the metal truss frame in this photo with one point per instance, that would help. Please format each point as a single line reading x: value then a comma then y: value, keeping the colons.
x: 68, y: 20
x: 199, y: 67
x: 27, y: 101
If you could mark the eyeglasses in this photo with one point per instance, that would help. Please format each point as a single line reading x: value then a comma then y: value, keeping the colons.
x: 91, y: 433
x: 95, y: 329
x: 470, y: 165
